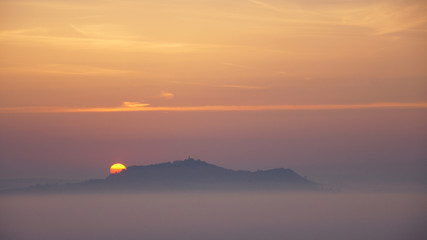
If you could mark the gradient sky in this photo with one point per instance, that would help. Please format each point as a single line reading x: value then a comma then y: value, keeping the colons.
x: 328, y: 88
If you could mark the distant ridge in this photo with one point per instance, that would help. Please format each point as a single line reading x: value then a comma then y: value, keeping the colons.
x: 188, y: 174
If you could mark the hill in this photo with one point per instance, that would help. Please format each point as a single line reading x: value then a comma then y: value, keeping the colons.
x: 189, y: 174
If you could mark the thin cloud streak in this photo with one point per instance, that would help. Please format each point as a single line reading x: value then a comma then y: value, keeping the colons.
x: 267, y: 5
x: 243, y: 86
x: 67, y: 69
x: 166, y: 95
x: 118, y: 43
x: 144, y: 107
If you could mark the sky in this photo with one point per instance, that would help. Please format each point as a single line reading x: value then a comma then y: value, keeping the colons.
x: 332, y: 89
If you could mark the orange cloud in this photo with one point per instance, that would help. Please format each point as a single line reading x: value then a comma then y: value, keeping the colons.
x: 167, y: 95
x: 144, y: 107
x: 243, y: 86
x: 134, y: 105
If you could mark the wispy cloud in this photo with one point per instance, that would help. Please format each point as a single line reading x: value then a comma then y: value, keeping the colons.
x: 145, y: 107
x: 382, y: 17
x: 267, y: 5
x: 77, y: 29
x: 134, y: 105
x: 233, y: 64
x: 99, y: 40
x: 67, y: 69
x: 243, y: 86
x: 385, y: 18
x: 237, y: 86
x: 166, y: 95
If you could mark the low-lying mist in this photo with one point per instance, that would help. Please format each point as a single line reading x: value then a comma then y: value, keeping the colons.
x: 215, y: 215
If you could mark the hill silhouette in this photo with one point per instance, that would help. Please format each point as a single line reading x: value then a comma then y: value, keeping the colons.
x: 188, y: 174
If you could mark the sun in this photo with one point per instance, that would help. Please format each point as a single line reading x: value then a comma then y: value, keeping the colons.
x: 117, y: 167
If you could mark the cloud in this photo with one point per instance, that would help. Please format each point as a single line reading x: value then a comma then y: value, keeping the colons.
x: 134, y: 104
x: 387, y: 17
x: 233, y: 64
x: 100, y: 40
x: 243, y: 86
x: 238, y: 86
x: 67, y: 69
x: 267, y: 5
x: 382, y: 17
x: 166, y: 95
x: 145, y: 107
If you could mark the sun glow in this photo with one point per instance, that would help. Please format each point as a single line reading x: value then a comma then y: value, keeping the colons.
x: 117, y: 167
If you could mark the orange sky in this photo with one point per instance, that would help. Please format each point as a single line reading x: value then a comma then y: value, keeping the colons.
x: 183, y: 53
x: 191, y: 55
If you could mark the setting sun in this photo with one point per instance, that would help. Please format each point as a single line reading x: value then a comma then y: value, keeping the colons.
x: 116, y: 168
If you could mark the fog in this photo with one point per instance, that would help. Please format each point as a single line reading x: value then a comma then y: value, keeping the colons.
x: 214, y: 215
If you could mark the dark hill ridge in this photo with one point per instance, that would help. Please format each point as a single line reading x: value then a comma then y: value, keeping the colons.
x: 189, y: 174
x: 197, y: 174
